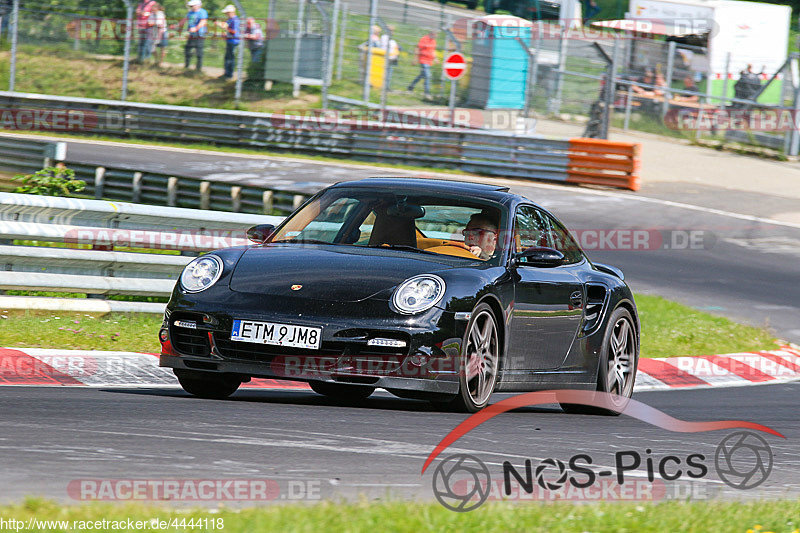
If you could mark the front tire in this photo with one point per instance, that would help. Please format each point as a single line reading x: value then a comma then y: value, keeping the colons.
x: 207, y: 385
x: 480, y: 361
x: 339, y: 391
x: 619, y: 360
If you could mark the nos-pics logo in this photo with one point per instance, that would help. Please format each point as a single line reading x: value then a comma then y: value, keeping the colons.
x: 743, y: 459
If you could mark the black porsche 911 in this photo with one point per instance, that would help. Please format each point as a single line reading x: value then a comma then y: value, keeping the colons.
x: 435, y: 290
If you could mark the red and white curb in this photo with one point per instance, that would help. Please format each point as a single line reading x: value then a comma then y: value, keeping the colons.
x: 730, y: 370
x: 78, y: 368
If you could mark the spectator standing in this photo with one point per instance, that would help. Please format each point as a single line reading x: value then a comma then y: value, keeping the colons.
x: 426, y: 56
x: 254, y: 39
x: 232, y: 27
x: 158, y: 23
x: 391, y: 52
x: 375, y: 36
x: 197, y: 22
x: 143, y: 28
x: 590, y: 10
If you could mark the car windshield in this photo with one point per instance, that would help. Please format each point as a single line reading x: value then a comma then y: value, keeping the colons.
x: 415, y: 223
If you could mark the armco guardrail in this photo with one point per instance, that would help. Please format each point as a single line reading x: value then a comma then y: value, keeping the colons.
x: 24, y: 155
x: 104, y: 226
x: 485, y: 152
x: 114, y: 183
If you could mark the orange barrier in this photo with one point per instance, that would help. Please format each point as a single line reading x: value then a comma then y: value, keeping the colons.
x: 600, y: 162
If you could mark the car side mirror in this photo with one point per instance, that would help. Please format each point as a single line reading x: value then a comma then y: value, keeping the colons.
x: 259, y: 234
x: 538, y: 256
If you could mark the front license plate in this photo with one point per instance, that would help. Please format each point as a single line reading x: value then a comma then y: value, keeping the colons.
x: 277, y: 334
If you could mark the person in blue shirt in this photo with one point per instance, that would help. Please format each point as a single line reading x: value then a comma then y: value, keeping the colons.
x: 197, y: 21
x: 232, y: 28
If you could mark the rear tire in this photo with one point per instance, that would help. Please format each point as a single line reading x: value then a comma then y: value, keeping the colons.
x: 208, y: 385
x: 619, y: 360
x: 340, y: 391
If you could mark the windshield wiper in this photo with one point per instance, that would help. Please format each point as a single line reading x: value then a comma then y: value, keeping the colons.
x: 405, y: 247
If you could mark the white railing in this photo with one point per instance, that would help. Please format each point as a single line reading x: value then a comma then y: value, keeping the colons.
x: 69, y: 245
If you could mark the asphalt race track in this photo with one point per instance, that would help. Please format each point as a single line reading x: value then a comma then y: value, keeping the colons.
x: 732, y: 261
x: 52, y: 436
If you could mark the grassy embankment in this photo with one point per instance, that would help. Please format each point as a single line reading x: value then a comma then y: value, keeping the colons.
x: 668, y: 329
x: 782, y: 516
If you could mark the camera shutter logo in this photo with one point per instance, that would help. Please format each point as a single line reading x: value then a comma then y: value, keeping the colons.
x: 550, y: 484
x: 743, y: 460
x: 461, y: 483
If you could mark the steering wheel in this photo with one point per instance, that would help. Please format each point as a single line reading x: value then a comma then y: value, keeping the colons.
x: 457, y: 244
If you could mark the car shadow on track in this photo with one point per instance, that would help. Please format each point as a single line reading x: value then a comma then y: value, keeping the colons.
x: 379, y: 401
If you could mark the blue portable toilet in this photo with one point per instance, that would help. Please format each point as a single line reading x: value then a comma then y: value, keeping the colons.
x: 499, y: 62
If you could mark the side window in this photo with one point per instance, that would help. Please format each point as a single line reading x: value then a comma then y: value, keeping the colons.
x: 562, y: 240
x: 530, y: 229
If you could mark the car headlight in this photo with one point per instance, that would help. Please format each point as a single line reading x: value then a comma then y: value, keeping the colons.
x: 201, y: 273
x: 418, y: 294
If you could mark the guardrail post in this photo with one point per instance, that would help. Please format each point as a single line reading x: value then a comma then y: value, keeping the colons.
x: 266, y: 200
x: 172, y: 191
x: 236, y: 199
x: 99, y: 181
x: 298, y: 200
x: 205, y: 195
x: 136, y: 194
x: 54, y: 152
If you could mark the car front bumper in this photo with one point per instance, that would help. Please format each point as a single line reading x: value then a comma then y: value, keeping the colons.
x: 428, y: 362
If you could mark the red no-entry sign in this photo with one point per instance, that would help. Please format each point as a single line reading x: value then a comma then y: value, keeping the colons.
x: 455, y: 65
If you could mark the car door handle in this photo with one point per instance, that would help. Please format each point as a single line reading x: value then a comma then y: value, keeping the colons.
x: 576, y: 299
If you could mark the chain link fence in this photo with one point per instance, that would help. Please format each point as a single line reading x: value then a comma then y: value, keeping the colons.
x: 386, y: 56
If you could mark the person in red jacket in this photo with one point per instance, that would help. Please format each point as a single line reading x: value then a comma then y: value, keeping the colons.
x: 426, y: 56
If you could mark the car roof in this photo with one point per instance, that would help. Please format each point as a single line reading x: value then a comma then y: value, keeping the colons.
x: 423, y: 185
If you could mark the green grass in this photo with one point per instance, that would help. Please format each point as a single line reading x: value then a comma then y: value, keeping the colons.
x: 672, y: 329
x: 668, y: 329
x: 80, y: 331
x: 720, y: 517
x: 56, y: 69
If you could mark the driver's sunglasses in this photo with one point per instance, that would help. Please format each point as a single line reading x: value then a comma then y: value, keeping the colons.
x: 476, y: 231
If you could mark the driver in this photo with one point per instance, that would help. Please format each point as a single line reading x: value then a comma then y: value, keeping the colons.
x: 480, y: 235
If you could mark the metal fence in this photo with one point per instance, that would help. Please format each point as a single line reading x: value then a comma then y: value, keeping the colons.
x: 361, y: 53
x: 670, y: 88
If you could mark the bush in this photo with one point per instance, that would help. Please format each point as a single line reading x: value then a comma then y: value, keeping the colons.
x: 50, y: 181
